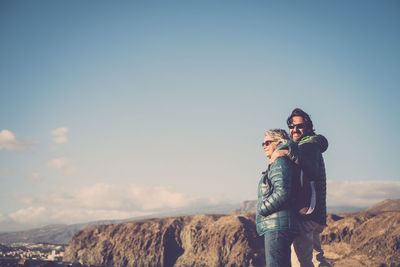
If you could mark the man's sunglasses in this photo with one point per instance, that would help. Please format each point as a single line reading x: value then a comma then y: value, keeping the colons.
x: 298, y: 126
x: 267, y: 143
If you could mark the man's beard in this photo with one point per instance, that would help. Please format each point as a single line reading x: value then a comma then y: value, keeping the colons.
x: 293, y: 133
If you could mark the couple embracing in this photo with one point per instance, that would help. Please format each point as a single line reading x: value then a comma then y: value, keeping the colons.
x: 292, y: 161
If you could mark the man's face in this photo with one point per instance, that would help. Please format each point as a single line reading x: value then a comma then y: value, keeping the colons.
x: 297, y: 129
x: 269, y: 146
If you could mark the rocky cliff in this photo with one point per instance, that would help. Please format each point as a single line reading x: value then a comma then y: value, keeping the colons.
x: 385, y: 205
x: 363, y: 239
x: 200, y: 240
x: 350, y: 240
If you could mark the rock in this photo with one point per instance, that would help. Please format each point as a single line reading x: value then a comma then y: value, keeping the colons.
x: 248, y: 206
x: 350, y: 240
x: 385, y: 205
x: 200, y: 240
x: 374, y: 239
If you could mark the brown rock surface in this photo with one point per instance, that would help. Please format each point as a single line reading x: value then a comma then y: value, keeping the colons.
x: 350, y: 240
x: 385, y: 205
x: 200, y: 240
x: 369, y: 239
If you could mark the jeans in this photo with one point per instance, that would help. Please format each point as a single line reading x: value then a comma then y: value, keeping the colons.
x: 277, y: 248
x: 307, y: 241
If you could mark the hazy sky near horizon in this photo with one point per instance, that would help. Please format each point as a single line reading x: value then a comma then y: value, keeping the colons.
x: 116, y: 109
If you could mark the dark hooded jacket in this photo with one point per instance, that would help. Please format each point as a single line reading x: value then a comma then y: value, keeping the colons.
x: 307, y: 153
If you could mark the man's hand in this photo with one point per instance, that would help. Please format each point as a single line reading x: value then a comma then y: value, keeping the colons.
x: 278, y: 153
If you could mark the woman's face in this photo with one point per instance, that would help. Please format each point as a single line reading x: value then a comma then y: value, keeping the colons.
x: 269, y: 146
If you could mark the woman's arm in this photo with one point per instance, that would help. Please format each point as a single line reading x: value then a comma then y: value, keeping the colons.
x: 281, y: 180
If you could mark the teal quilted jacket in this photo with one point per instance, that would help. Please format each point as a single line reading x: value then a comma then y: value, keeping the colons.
x: 274, y: 197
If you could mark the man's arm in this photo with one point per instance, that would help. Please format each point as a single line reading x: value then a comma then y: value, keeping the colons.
x: 304, y: 154
x: 293, y: 152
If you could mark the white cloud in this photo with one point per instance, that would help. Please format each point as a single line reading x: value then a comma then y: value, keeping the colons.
x: 104, y: 196
x: 7, y: 136
x: 51, y: 215
x: 29, y: 215
x: 64, y: 164
x: 6, y: 171
x: 158, y: 197
x: 24, y: 199
x: 9, y: 142
x: 3, y: 218
x: 103, y: 201
x: 59, y: 131
x: 34, y: 176
x: 60, y: 135
x: 360, y: 193
x: 60, y: 139
x: 58, y: 163
x: 87, y: 215
x: 98, y: 202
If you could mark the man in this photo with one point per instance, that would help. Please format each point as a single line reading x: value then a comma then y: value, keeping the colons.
x: 306, y: 152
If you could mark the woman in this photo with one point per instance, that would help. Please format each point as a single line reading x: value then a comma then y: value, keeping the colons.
x: 275, y: 219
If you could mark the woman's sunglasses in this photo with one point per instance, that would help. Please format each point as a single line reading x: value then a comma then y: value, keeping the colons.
x: 267, y: 143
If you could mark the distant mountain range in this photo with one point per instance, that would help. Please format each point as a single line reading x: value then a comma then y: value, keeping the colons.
x: 250, y: 206
x: 62, y: 233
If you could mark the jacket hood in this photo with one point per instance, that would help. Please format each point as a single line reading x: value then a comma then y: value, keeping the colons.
x: 282, y: 146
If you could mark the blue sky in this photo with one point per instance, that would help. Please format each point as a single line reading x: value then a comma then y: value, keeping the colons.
x: 112, y: 110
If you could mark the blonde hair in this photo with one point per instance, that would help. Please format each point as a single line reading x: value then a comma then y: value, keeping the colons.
x: 278, y: 135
